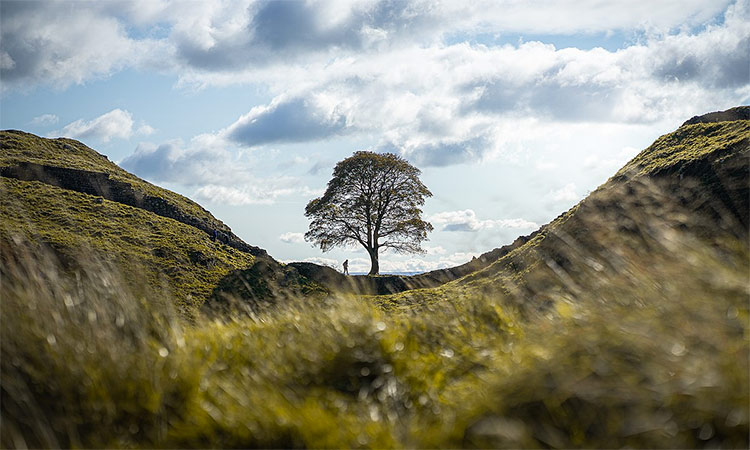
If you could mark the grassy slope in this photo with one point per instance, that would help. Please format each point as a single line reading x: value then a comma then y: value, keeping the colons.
x: 145, y: 247
x: 17, y: 146
x: 575, y: 251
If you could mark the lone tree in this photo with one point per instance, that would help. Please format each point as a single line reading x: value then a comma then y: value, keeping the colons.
x: 373, y: 200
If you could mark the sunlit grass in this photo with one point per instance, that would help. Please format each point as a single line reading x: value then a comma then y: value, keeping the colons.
x: 88, y: 362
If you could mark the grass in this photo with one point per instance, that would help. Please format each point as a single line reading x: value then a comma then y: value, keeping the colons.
x: 688, y: 143
x: 145, y: 248
x: 623, y: 323
x: 647, y: 198
x: 88, y: 362
x: 18, y: 146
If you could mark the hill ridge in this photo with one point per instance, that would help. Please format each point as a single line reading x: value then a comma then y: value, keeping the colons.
x: 114, y: 184
x: 100, y: 184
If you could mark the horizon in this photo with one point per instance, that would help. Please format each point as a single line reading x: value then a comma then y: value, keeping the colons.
x: 513, y: 116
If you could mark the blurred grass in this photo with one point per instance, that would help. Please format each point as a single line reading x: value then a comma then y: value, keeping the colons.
x: 88, y: 362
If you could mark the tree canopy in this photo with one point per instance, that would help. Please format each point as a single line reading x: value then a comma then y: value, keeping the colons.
x: 373, y: 200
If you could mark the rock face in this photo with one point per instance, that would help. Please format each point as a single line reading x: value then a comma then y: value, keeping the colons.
x: 102, y: 185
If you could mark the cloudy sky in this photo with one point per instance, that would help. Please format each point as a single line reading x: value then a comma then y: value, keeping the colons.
x: 514, y: 110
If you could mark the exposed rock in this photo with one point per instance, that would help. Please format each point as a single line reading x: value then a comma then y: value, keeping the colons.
x: 102, y: 185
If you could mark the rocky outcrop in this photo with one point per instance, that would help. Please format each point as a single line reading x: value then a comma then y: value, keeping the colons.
x: 102, y: 185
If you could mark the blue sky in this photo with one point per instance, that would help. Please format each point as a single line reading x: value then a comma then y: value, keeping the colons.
x: 514, y: 111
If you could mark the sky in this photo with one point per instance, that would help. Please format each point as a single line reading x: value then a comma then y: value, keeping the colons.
x: 513, y: 110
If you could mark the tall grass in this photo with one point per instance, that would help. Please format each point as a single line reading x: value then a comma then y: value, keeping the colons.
x: 89, y: 362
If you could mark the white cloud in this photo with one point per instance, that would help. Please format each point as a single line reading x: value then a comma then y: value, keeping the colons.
x: 145, y: 130
x: 60, y: 43
x: 247, y: 194
x: 328, y: 262
x: 566, y: 194
x: 116, y: 124
x: 292, y: 238
x: 45, y: 119
x: 404, y: 71
x: 287, y: 120
x: 234, y: 196
x: 244, y: 195
x: 466, y: 220
x: 436, y: 250
x: 610, y: 163
x: 446, y: 104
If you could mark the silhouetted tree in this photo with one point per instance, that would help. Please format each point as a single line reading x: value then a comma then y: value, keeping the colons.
x: 373, y: 200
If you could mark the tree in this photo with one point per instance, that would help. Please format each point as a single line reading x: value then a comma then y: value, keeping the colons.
x: 373, y: 200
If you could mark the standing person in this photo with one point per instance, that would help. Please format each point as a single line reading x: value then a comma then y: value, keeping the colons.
x: 346, y: 267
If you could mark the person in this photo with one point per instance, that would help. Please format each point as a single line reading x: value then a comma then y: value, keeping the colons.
x: 346, y: 267
x: 216, y: 235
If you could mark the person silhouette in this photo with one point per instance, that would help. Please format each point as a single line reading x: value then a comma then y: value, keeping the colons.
x: 346, y: 267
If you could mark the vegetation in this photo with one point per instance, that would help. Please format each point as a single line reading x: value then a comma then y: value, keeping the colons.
x: 372, y: 200
x: 19, y: 147
x: 89, y: 363
x: 625, y: 322
x: 145, y: 249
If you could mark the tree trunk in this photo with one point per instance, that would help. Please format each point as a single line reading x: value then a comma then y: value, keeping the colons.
x: 374, y: 266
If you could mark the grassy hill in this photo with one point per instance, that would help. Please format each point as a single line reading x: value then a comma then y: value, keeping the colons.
x: 60, y: 194
x: 622, y: 323
x: 688, y: 186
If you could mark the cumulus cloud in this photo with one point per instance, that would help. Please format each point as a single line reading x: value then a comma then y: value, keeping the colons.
x: 219, y: 173
x: 204, y: 160
x: 258, y: 192
x: 60, y: 43
x: 145, y: 130
x: 411, y: 73
x: 246, y: 195
x: 328, y: 262
x: 410, y: 264
x: 466, y: 220
x: 292, y: 120
x: 45, y: 119
x: 292, y: 238
x: 440, y: 105
x: 116, y: 124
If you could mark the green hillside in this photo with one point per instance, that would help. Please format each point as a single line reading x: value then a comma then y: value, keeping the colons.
x: 688, y: 186
x: 44, y: 206
x: 19, y: 147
